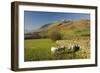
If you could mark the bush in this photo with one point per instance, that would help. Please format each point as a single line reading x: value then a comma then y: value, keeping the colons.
x: 55, y: 35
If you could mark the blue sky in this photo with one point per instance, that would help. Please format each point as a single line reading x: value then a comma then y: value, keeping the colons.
x: 35, y: 19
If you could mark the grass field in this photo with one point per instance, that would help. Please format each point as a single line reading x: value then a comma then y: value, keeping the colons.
x: 37, y: 49
x: 40, y: 49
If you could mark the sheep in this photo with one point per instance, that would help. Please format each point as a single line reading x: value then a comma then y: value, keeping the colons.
x: 58, y: 49
x: 53, y: 49
x: 74, y: 48
x: 61, y: 48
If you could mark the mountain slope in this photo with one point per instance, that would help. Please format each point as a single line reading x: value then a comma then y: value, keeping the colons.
x: 81, y: 27
x: 66, y: 24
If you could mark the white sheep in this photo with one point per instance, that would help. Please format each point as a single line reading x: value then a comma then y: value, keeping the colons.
x: 74, y: 48
x: 53, y: 49
x: 57, y: 49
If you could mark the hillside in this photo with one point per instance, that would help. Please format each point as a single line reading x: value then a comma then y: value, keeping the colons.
x: 81, y: 27
x: 66, y: 28
x: 66, y: 24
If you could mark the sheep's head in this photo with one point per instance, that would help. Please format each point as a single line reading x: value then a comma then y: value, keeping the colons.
x: 76, y: 47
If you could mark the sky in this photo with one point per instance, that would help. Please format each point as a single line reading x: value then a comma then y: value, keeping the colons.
x: 35, y: 19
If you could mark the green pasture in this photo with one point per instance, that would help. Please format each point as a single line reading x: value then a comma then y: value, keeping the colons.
x: 40, y: 49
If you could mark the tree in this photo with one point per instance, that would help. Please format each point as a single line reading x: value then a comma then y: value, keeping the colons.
x: 55, y: 35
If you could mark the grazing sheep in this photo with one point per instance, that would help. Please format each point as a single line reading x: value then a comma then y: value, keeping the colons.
x: 53, y: 49
x: 57, y: 49
x: 74, y: 48
x: 61, y: 48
